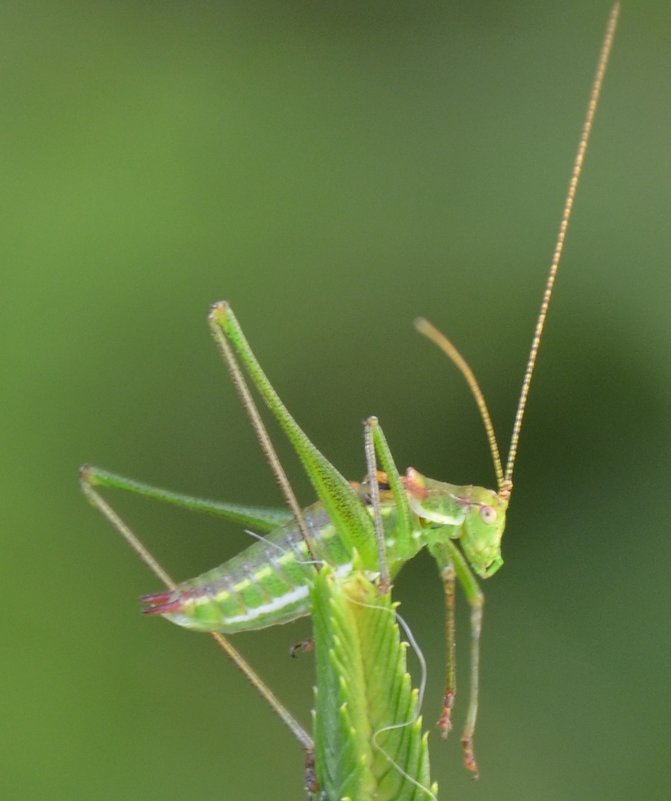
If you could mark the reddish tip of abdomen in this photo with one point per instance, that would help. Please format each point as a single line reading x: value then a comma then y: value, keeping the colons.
x: 162, y: 603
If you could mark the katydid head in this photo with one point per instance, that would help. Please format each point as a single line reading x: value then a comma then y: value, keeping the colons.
x: 482, y: 529
x: 478, y: 516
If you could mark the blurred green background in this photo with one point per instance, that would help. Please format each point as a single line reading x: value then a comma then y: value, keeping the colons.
x: 333, y: 170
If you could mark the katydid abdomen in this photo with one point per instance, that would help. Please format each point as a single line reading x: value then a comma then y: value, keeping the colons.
x: 265, y: 585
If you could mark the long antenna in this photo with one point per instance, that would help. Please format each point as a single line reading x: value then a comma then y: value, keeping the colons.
x: 505, y: 479
x: 559, y: 246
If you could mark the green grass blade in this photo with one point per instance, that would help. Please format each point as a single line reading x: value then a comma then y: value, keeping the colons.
x: 369, y: 744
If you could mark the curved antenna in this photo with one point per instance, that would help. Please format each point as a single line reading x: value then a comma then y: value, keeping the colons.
x: 431, y: 332
x: 561, y: 236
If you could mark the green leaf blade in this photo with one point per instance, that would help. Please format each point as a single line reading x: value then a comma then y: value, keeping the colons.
x: 368, y: 734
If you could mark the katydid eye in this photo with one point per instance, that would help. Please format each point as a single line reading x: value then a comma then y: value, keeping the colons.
x: 488, y: 514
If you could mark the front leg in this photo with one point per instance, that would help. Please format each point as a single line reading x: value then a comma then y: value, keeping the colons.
x: 452, y: 563
x: 448, y: 576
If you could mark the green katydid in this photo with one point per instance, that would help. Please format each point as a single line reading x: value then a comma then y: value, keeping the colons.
x: 380, y: 524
